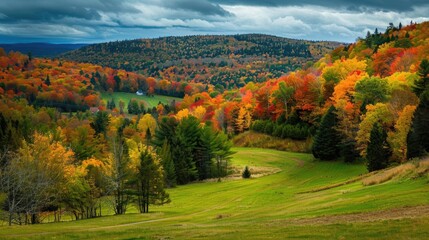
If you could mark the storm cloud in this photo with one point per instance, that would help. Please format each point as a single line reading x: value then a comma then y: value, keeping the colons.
x: 89, y: 21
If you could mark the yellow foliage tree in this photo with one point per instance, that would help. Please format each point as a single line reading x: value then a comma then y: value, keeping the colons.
x: 147, y: 122
x: 239, y: 122
x: 41, y: 172
x: 182, y: 114
x: 398, y: 138
x: 375, y: 113
x: 199, y: 112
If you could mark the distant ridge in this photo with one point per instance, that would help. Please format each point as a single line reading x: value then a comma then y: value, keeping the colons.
x: 227, y: 60
x: 41, y: 49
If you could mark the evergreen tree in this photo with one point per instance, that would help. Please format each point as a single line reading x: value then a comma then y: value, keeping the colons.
x: 47, y: 80
x: 185, y: 140
x: 325, y: 145
x: 100, y: 122
x: 150, y: 182
x: 168, y: 164
x: 112, y: 104
x: 148, y: 136
x: 418, y: 137
x: 378, y: 151
x: 422, y: 84
x: 246, y: 173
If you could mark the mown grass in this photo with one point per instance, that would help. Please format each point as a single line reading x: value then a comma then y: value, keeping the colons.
x: 261, y: 208
x: 126, y: 97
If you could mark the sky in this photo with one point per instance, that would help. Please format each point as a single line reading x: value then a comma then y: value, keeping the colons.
x: 92, y: 21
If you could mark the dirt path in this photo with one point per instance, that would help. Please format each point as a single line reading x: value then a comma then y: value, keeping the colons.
x: 390, y: 214
x: 299, y: 162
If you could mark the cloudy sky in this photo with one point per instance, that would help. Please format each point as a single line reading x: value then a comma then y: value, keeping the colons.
x: 88, y: 21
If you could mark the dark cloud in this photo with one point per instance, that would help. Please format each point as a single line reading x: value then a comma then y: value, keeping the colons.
x: 201, y: 6
x: 356, y: 5
x: 46, y: 10
x: 105, y: 20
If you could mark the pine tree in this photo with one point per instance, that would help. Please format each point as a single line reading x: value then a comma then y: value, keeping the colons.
x: 150, y: 182
x: 246, y: 173
x: 100, y: 122
x: 325, y: 145
x: 418, y: 137
x: 47, y: 81
x: 168, y: 164
x: 112, y: 104
x: 422, y: 84
x: 148, y: 136
x: 378, y: 151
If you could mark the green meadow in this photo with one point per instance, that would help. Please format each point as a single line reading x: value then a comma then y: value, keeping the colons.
x: 289, y: 196
x: 151, y: 101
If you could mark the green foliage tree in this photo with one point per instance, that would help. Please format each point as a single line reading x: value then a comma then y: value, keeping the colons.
x: 168, y: 165
x: 418, y: 137
x: 150, y: 182
x: 47, y: 80
x: 378, y: 150
x: 371, y: 90
x: 100, y: 122
x: 185, y: 140
x: 325, y: 145
x: 284, y: 94
x: 422, y: 84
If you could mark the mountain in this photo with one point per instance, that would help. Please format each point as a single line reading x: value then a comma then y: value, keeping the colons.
x: 41, y: 49
x: 230, y: 61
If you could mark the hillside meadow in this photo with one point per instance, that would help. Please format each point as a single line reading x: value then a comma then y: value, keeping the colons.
x: 150, y: 101
x: 291, y: 195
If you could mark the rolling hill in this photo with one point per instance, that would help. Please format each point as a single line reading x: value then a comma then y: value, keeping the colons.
x: 230, y: 61
x: 41, y: 49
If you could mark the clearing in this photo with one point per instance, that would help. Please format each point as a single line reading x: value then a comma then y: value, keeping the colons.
x: 126, y: 97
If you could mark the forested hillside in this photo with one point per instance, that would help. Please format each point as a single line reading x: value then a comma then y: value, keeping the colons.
x: 369, y: 89
x: 41, y: 49
x: 224, y: 61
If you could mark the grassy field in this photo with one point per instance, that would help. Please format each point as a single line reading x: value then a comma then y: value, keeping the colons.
x: 126, y: 97
x: 304, y: 199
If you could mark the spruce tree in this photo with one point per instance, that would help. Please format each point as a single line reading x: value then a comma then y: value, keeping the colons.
x: 168, y: 165
x: 378, y: 151
x: 422, y: 84
x: 100, y: 122
x: 47, y: 80
x: 150, y: 182
x: 246, y: 173
x: 418, y: 137
x: 325, y: 145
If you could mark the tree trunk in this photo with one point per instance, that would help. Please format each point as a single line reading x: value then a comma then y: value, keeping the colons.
x: 286, y: 110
